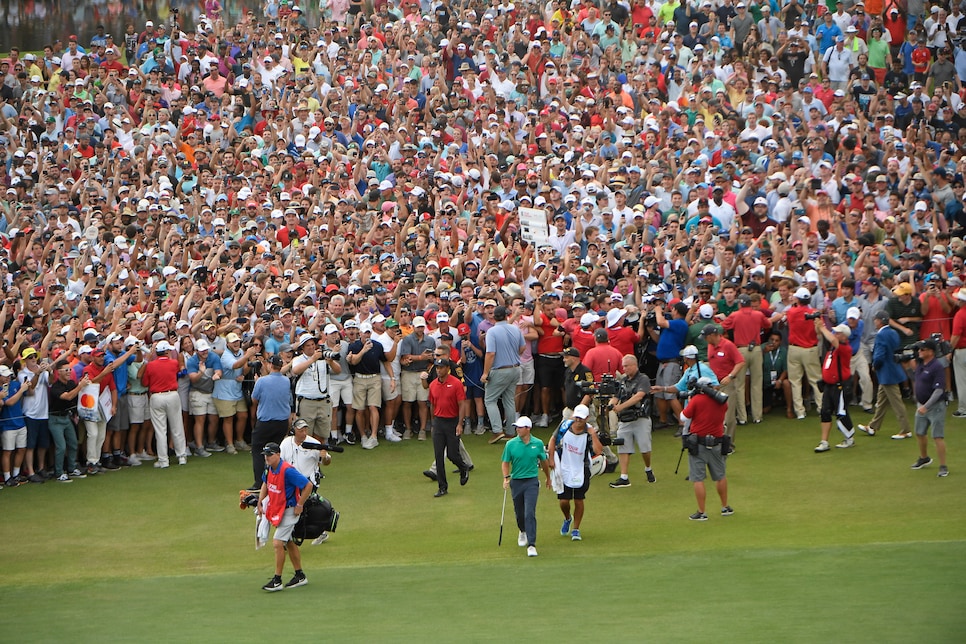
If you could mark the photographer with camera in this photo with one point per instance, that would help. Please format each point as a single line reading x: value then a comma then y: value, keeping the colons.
x: 836, y: 385
x: 707, y: 445
x: 311, y: 370
x: 890, y: 375
x: 929, y: 388
x: 633, y: 409
x: 803, y: 354
x: 574, y: 443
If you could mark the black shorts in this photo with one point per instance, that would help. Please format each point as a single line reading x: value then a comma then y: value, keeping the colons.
x: 576, y: 494
x: 550, y: 371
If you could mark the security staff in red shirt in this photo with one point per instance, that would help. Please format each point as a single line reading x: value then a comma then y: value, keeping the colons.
x: 747, y: 326
x: 705, y: 445
x: 448, y: 399
x: 728, y: 365
x: 803, y: 358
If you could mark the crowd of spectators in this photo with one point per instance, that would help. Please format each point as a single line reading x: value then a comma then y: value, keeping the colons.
x: 375, y: 184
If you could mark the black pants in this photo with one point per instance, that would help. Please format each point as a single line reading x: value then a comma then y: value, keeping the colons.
x: 265, y: 432
x: 446, y: 444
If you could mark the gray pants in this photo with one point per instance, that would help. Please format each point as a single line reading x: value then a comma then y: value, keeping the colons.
x: 890, y: 395
x: 165, y: 416
x: 64, y: 435
x: 524, y: 493
x: 959, y: 372
x: 502, y: 385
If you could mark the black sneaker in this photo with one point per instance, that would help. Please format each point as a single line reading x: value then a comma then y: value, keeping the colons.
x: 297, y: 580
x: 699, y: 516
x: 120, y: 461
x: 36, y: 478
x: 92, y: 470
x: 11, y: 482
x: 727, y: 511
x: 921, y: 463
x: 274, y: 584
x: 621, y: 482
x: 109, y: 464
x: 464, y: 476
x: 350, y: 439
x: 430, y: 474
x: 650, y: 476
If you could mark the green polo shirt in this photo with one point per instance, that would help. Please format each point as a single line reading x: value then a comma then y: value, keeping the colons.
x: 524, y: 458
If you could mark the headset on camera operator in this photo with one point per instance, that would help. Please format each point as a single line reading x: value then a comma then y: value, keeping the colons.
x: 707, y: 444
x: 632, y: 405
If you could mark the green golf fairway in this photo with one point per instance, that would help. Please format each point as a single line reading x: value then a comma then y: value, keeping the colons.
x: 849, y: 545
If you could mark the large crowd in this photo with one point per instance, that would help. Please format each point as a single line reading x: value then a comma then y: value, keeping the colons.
x: 344, y: 201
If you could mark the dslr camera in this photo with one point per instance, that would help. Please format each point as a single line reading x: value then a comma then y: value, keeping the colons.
x: 331, y: 355
x: 694, y: 389
x: 814, y: 315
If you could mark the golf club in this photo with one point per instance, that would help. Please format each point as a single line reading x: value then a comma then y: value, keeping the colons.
x: 502, y: 514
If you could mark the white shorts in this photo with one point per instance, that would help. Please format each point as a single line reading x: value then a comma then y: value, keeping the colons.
x: 14, y: 439
x: 528, y: 372
x: 340, y: 391
x: 137, y: 408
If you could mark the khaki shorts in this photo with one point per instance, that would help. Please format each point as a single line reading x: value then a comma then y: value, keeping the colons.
x: 412, y: 387
x: 14, y: 439
x: 341, y: 391
x: 528, y: 372
x: 318, y: 414
x: 388, y: 392
x: 366, y: 392
x: 228, y: 408
x: 138, y: 408
x: 200, y: 403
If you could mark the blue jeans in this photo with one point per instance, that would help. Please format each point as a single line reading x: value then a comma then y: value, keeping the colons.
x: 502, y: 385
x: 64, y: 435
x: 524, y: 492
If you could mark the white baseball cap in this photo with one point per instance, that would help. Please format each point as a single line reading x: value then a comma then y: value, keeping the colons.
x: 524, y: 421
x: 581, y: 411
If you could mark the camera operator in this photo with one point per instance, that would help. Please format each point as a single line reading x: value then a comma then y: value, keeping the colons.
x: 573, y: 444
x: 306, y: 454
x: 311, y: 370
x: 929, y: 388
x: 706, y: 443
x: 803, y: 349
x: 836, y: 385
x: 890, y: 375
x: 693, y: 369
x: 670, y: 342
x: 633, y: 411
x: 727, y: 364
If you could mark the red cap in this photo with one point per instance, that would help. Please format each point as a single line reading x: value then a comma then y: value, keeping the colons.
x: 463, y: 329
x: 332, y: 288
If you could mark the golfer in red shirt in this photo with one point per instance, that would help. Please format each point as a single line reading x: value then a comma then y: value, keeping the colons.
x: 448, y: 399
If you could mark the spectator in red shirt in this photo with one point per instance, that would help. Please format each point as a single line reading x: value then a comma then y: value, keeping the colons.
x: 603, y: 358
x: 726, y: 362
x: 836, y: 374
x: 623, y: 338
x: 748, y: 325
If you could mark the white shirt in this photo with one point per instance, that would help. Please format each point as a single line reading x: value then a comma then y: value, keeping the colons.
x: 34, y: 403
x: 572, y: 458
x: 304, y: 460
x: 314, y: 381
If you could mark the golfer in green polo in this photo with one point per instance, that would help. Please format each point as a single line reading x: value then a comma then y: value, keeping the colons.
x: 523, y: 456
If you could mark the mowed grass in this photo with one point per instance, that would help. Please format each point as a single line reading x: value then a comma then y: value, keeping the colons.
x: 849, y: 545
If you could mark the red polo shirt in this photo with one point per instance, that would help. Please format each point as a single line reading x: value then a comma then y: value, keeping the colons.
x: 723, y: 357
x: 747, y: 325
x: 161, y: 375
x: 445, y: 396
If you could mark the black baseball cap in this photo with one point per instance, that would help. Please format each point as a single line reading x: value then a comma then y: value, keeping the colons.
x: 442, y: 362
x: 711, y: 328
x: 571, y: 352
x: 271, y: 448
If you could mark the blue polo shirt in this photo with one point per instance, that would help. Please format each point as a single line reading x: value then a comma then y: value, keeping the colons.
x: 11, y: 416
x: 120, y: 375
x: 226, y: 387
x: 273, y: 393
x: 671, y: 340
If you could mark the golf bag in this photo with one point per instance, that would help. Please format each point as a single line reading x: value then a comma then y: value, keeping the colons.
x: 317, y: 517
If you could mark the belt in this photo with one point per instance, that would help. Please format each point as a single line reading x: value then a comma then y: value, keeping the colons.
x: 366, y: 375
x: 674, y: 360
x: 551, y: 355
x: 139, y: 393
x: 750, y: 347
x: 322, y: 399
x: 166, y: 391
x: 507, y: 366
x: 60, y: 413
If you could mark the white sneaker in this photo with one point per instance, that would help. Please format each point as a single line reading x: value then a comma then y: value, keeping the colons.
x: 532, y: 551
x: 366, y: 443
x: 63, y: 478
x: 230, y: 449
x: 865, y: 429
x: 242, y: 445
x: 133, y: 460
x: 522, y: 539
x: 322, y: 538
x: 848, y: 442
x: 144, y: 456
x: 393, y: 437
x: 822, y: 447
x: 373, y: 441
x: 182, y: 460
x: 161, y: 464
